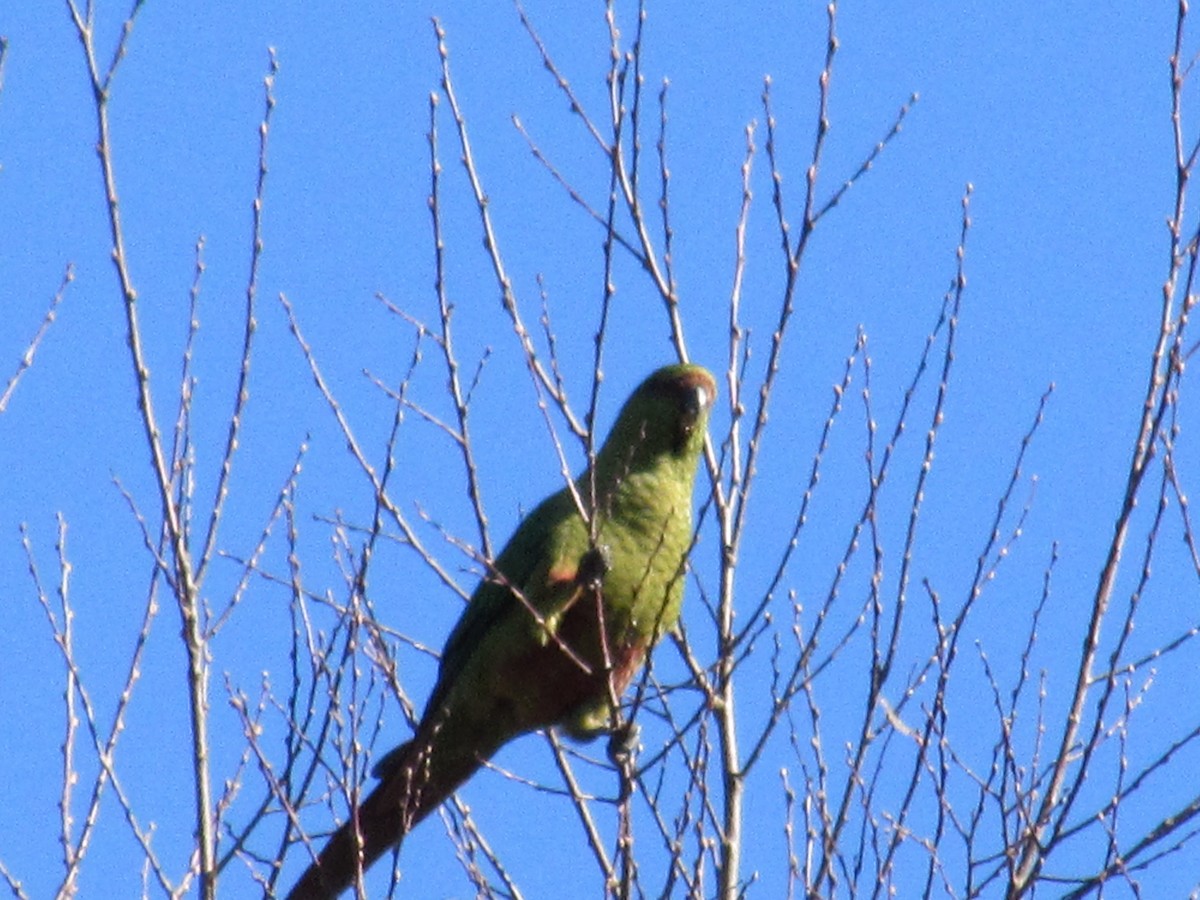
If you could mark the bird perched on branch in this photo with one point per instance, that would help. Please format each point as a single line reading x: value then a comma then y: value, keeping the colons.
x: 558, y: 627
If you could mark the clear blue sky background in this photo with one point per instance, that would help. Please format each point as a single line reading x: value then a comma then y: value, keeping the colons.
x: 1057, y: 113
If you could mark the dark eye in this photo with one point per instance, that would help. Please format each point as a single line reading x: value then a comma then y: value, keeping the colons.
x: 693, y: 399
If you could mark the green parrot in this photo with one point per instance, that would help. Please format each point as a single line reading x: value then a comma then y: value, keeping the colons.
x: 559, y: 626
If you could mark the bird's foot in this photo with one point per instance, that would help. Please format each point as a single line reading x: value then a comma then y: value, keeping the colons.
x: 623, y: 742
x: 593, y: 566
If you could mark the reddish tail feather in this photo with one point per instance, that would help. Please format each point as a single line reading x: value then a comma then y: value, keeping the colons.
x: 411, y: 786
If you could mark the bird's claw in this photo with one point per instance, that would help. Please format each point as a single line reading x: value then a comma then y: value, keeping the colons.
x: 623, y: 742
x: 593, y: 566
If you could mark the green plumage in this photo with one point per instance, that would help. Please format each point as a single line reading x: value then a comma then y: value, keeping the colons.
x: 559, y: 627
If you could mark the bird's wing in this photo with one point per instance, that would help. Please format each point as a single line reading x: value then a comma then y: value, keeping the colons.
x: 525, y: 565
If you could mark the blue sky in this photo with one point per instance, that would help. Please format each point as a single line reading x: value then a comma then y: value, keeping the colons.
x: 1058, y: 115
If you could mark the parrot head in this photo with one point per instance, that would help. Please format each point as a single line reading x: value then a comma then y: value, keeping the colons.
x: 665, y: 417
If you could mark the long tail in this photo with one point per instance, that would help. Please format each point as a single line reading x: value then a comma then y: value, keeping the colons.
x: 413, y: 782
